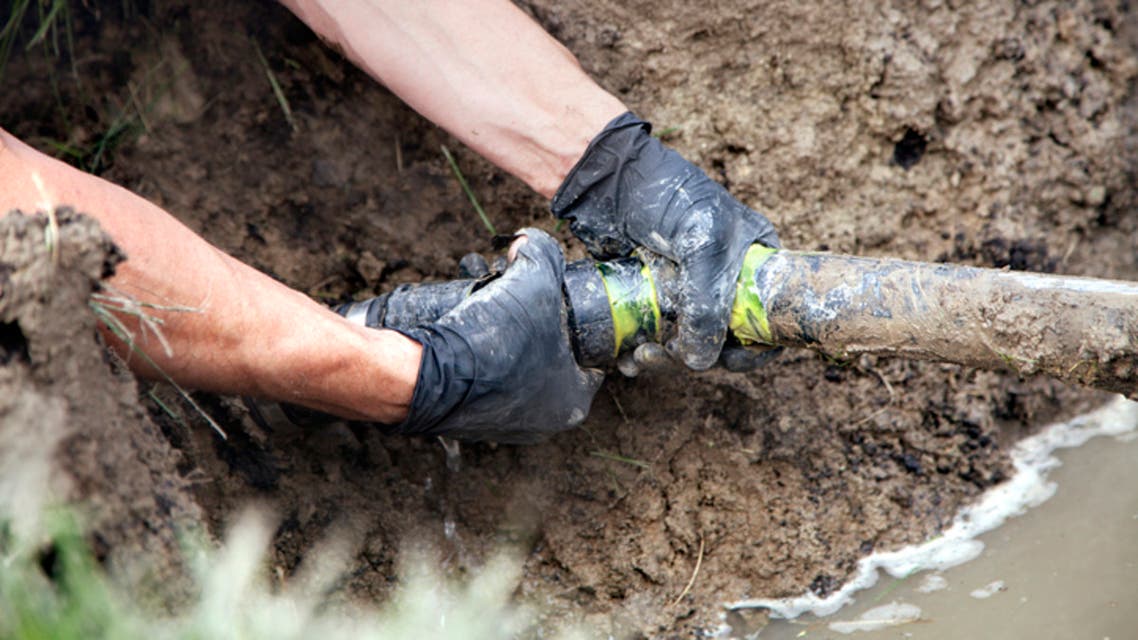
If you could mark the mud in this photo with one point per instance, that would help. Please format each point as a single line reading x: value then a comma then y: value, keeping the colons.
x: 1079, y: 330
x: 990, y: 133
x: 71, y: 425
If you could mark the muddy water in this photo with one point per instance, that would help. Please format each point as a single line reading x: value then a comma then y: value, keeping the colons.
x: 1067, y: 568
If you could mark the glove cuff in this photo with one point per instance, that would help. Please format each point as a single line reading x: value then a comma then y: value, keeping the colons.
x: 600, y: 160
x: 588, y: 195
x: 441, y: 385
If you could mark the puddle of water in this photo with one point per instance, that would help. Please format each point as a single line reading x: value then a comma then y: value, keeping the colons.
x: 1067, y: 568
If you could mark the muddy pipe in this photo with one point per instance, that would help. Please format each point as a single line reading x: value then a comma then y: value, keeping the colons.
x: 1080, y: 330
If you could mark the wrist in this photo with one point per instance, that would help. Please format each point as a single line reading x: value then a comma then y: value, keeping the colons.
x: 566, y: 139
x: 330, y: 365
x: 385, y: 393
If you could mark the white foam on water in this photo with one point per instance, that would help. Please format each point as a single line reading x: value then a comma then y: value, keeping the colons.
x: 988, y: 590
x: 1028, y: 487
x: 932, y: 582
x: 893, y: 614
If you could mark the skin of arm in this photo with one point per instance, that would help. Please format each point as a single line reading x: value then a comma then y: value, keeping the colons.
x: 246, y: 333
x: 482, y: 70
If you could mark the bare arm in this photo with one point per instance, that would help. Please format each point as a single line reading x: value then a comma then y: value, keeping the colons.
x: 482, y: 70
x: 248, y: 334
x: 487, y: 73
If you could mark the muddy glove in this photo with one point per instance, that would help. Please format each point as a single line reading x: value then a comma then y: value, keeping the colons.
x: 629, y: 190
x: 499, y: 366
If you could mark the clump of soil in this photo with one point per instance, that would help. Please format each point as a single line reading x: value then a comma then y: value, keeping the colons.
x: 71, y: 426
x: 994, y: 134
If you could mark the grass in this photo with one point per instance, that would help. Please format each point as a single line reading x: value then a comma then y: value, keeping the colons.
x: 619, y: 458
x: 469, y: 192
x: 282, y: 101
x: 891, y: 588
x: 93, y: 159
x: 8, y: 33
x: 51, y: 231
x: 174, y: 415
x: 49, y: 18
x: 109, y: 307
x: 694, y: 573
x: 52, y: 587
x: 118, y: 121
x: 53, y: 19
x: 126, y: 118
x: 54, y: 590
x: 1014, y: 362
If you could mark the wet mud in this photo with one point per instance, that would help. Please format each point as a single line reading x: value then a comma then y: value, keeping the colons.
x: 72, y: 428
x: 1079, y: 330
x: 987, y: 133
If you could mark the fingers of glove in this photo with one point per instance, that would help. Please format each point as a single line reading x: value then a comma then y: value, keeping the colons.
x: 575, y: 386
x: 575, y: 399
x: 714, y: 237
x: 627, y: 366
x: 707, y: 289
x: 473, y: 265
x: 766, y: 234
x: 527, y: 299
x: 539, y: 250
x: 588, y: 196
x: 588, y: 383
x: 506, y: 370
x: 654, y: 358
x: 649, y: 357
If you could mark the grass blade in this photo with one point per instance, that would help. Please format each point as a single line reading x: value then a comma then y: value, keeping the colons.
x: 46, y: 24
x: 619, y: 458
x: 8, y: 33
x: 277, y: 91
x: 469, y: 192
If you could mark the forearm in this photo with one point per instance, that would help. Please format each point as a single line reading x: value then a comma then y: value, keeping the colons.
x: 230, y: 328
x: 482, y: 70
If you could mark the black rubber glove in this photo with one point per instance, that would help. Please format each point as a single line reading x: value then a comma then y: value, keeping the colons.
x: 629, y: 190
x: 499, y: 366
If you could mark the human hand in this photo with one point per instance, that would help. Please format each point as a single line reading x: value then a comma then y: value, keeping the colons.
x: 499, y: 366
x: 629, y: 190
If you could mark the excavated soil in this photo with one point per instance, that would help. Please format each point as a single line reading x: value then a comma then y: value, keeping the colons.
x: 71, y: 426
x: 988, y: 133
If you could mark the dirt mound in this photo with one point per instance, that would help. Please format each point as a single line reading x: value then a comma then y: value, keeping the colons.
x: 992, y: 133
x: 71, y: 426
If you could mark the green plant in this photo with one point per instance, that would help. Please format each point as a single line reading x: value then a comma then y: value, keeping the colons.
x: 111, y: 307
x: 276, y: 86
x: 55, y: 589
x: 469, y: 192
x: 52, y: 587
x: 93, y: 158
x: 118, y: 119
x: 53, y: 20
x: 619, y: 458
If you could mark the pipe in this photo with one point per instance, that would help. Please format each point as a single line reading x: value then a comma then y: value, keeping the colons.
x: 1080, y: 330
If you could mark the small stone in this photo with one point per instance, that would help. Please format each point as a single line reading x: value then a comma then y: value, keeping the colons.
x: 747, y: 622
x: 328, y: 174
x: 1095, y: 196
x: 370, y: 267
